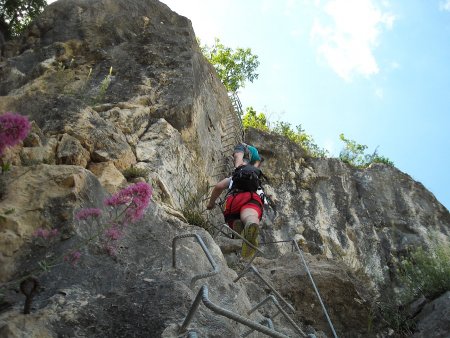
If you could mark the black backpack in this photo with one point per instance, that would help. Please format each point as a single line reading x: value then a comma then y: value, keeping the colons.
x: 246, y: 178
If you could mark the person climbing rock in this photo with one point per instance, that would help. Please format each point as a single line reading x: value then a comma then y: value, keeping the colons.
x: 243, y: 207
x: 246, y: 154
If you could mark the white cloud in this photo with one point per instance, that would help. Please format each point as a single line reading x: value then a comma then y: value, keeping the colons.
x: 347, y: 40
x: 444, y: 5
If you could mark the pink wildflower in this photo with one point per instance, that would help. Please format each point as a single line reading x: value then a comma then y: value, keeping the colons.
x: 45, y: 234
x: 88, y: 213
x: 113, y: 234
x: 41, y: 233
x: 13, y: 129
x: 72, y: 258
x: 136, y: 197
x: 111, y: 249
x: 54, y: 233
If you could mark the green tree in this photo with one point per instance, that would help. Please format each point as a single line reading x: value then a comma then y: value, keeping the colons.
x: 252, y: 119
x: 234, y: 67
x: 300, y: 137
x: 259, y: 121
x: 354, y: 154
x: 15, y: 15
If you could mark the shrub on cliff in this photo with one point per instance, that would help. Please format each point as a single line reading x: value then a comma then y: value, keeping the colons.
x: 354, y: 154
x: 259, y: 121
x: 234, y: 67
x: 425, y: 272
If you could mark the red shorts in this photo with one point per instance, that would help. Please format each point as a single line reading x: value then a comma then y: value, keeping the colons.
x: 242, y: 200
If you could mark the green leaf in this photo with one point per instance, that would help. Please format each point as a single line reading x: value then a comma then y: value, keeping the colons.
x: 234, y: 67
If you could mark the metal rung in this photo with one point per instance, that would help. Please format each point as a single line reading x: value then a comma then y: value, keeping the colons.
x: 252, y: 268
x: 265, y: 320
x: 294, y: 242
x: 203, y: 296
x: 229, y: 127
x: 228, y: 146
x: 228, y: 137
x: 280, y: 309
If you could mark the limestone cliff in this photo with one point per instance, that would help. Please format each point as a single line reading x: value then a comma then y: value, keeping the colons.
x: 114, y: 84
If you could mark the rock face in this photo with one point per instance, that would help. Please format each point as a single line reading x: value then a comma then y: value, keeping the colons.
x: 361, y: 217
x: 434, y: 318
x: 117, y: 85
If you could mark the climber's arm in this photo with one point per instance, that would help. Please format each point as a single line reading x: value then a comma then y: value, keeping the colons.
x: 217, y: 190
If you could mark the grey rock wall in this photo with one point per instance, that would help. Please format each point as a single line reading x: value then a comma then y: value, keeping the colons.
x: 362, y: 217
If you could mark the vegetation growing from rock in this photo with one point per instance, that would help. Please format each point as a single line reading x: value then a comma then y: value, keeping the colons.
x: 192, y: 201
x: 103, y: 228
x: 425, y: 272
x: 354, y: 154
x: 13, y: 129
x: 103, y: 87
x: 259, y: 121
x: 135, y: 172
x: 421, y: 274
x: 234, y: 67
x: 255, y: 120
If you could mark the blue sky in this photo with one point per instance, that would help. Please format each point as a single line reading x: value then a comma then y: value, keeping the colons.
x: 376, y: 70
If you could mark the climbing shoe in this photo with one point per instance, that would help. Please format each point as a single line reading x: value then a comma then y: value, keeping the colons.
x: 238, y: 226
x: 250, y: 234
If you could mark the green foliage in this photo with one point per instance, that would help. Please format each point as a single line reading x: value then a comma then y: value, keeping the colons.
x: 395, y: 317
x: 5, y: 213
x: 5, y: 166
x: 425, y: 272
x: 259, y: 121
x: 15, y: 15
x: 254, y: 120
x: 420, y: 273
x: 234, y: 67
x: 9, y: 211
x: 45, y: 266
x: 195, y: 217
x: 192, y: 202
x: 104, y: 85
x: 134, y: 172
x: 354, y: 154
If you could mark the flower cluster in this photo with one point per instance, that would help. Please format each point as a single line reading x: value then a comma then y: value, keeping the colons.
x: 13, y: 129
x: 45, y: 234
x: 84, y: 214
x: 126, y: 206
x: 135, y: 197
x: 73, y: 257
x: 110, y: 239
x: 44, y: 237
